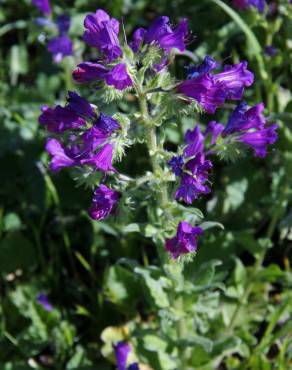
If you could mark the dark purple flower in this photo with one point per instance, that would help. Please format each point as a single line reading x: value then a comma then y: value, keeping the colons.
x: 214, y: 129
x: 104, y: 202
x: 249, y: 127
x: 60, y: 47
x: 234, y: 79
x: 245, y: 4
x: 122, y: 350
x: 102, y: 32
x: 198, y: 70
x: 193, y: 181
x: 195, y: 140
x: 60, y: 159
x: 106, y: 124
x: 137, y: 39
x: 63, y: 22
x: 211, y: 90
x: 185, y: 240
x: 258, y: 140
x: 161, y: 33
x: 102, y: 160
x: 203, y: 89
x: 89, y: 72
x: 176, y: 164
x: 270, y: 50
x: 118, y: 77
x: 42, y: 299
x: 43, y: 6
x: 243, y: 118
x: 59, y: 119
x: 80, y: 105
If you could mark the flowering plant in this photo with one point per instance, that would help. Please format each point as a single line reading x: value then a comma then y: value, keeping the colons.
x: 158, y: 203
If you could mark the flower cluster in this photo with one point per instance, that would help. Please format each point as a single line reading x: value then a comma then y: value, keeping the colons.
x: 84, y: 138
x: 192, y: 168
x: 212, y: 89
x: 61, y: 45
x: 245, y: 4
x: 122, y: 351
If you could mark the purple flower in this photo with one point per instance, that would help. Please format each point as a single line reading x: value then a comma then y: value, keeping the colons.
x: 106, y: 124
x: 42, y: 299
x: 60, y: 47
x: 80, y: 105
x: 102, y: 32
x: 59, y: 119
x: 137, y: 39
x: 193, y: 181
x: 60, y: 159
x: 198, y: 70
x: 249, y: 127
x: 161, y: 33
x: 192, y: 168
x: 104, y: 202
x: 185, y: 240
x: 214, y: 129
x: 63, y: 22
x: 234, y: 79
x: 258, y: 140
x: 43, y: 6
x: 195, y: 141
x: 118, y: 77
x: 245, y: 4
x: 211, y: 90
x: 122, y: 350
x: 102, y: 160
x: 203, y: 89
x: 176, y: 164
x: 89, y: 72
x: 270, y: 50
x: 244, y: 118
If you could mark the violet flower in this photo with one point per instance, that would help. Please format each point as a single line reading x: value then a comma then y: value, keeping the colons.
x: 60, y: 158
x: 122, y: 351
x: 245, y: 4
x: 87, y: 72
x: 185, y: 240
x: 102, y: 160
x: 248, y: 126
x: 63, y: 23
x: 270, y: 50
x: 43, y: 300
x: 214, y: 129
x: 60, y: 47
x: 212, y: 89
x: 60, y: 119
x: 137, y: 39
x: 43, y: 6
x: 192, y: 168
x: 104, y: 202
x: 160, y: 32
x: 118, y: 77
x: 80, y: 105
x: 102, y: 32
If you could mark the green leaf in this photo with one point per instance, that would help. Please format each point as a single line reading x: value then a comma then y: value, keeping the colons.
x: 154, y: 287
x: 121, y: 287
